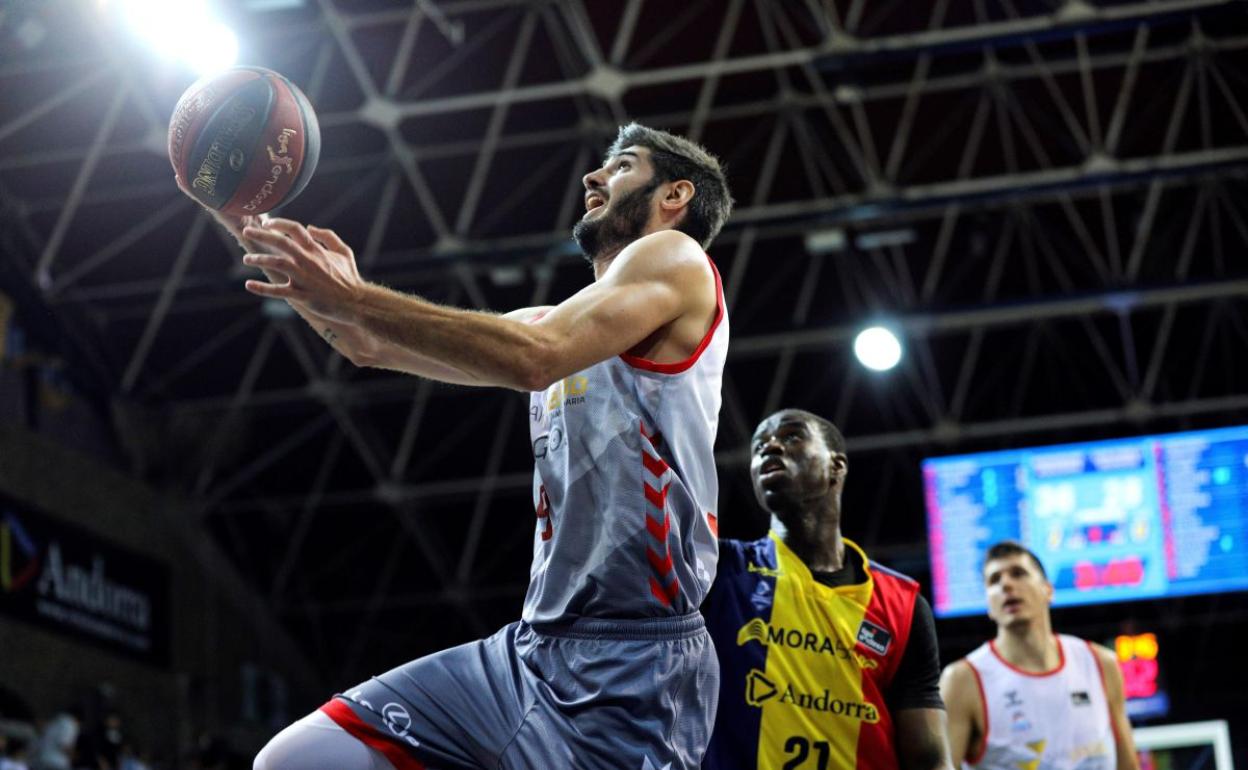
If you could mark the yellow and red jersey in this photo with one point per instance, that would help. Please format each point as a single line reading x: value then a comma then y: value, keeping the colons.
x: 804, y: 666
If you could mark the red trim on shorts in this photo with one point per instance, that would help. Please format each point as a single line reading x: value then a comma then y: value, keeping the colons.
x: 680, y: 366
x: 1113, y: 723
x: 1061, y: 660
x: 983, y: 700
x: 390, y: 748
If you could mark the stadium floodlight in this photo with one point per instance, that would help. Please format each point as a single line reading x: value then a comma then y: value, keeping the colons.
x: 182, y: 30
x: 877, y: 348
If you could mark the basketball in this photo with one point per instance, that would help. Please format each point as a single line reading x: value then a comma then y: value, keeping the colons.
x: 243, y: 141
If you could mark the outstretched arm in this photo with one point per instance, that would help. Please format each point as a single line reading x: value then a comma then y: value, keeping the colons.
x: 653, y: 282
x: 352, y: 342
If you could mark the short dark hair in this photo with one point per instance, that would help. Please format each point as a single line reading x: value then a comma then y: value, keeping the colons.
x: 1007, y: 548
x: 832, y: 437
x: 675, y: 158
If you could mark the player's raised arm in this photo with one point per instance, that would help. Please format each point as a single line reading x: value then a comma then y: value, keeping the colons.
x: 653, y: 282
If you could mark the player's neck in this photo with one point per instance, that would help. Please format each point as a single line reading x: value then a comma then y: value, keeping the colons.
x: 1029, y: 646
x: 814, y: 536
x: 603, y: 262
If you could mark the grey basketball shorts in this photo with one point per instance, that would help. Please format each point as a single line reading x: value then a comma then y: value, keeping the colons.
x: 618, y: 694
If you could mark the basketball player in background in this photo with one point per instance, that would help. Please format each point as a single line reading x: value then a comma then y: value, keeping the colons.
x: 611, y: 666
x: 1030, y: 698
x: 827, y: 659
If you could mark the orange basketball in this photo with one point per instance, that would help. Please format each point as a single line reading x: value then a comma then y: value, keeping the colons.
x: 244, y: 141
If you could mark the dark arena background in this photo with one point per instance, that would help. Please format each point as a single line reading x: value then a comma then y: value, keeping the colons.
x: 210, y: 522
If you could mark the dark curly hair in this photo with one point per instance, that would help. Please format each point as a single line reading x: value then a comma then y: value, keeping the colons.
x: 675, y: 158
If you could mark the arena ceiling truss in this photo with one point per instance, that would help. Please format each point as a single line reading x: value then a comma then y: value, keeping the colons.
x: 1046, y: 198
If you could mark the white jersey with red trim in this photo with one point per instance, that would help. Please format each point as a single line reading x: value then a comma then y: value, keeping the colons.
x: 625, y: 486
x: 1057, y: 720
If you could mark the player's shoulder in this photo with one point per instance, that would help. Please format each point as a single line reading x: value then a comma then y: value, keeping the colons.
x: 958, y: 676
x: 890, y: 574
x: 670, y: 252
x: 1102, y: 654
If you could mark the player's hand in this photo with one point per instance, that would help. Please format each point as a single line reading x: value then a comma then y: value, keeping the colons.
x: 233, y: 224
x: 321, y: 274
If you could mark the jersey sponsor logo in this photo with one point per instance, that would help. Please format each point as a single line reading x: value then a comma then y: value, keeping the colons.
x: 567, y: 392
x: 1094, y: 749
x: 1080, y: 698
x: 759, y: 690
x: 874, y: 638
x: 759, y: 631
x: 548, y: 442
x: 1019, y: 722
x: 399, y: 721
x: 1012, y: 700
x: 393, y: 715
x: 764, y: 571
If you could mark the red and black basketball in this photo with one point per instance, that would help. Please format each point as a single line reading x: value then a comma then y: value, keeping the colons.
x: 244, y: 141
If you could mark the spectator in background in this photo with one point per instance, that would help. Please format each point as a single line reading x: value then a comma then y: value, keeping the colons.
x: 12, y: 753
x: 55, y: 749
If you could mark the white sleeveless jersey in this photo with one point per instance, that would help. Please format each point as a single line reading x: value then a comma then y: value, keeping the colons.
x: 1054, y: 721
x: 625, y: 486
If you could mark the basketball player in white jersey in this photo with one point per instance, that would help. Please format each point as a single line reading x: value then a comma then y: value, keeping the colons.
x: 611, y: 666
x: 1030, y: 699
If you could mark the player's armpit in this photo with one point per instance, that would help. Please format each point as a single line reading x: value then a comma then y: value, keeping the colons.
x: 963, y: 708
x: 922, y: 740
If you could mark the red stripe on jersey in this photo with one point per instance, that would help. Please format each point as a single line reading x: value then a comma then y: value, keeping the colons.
x: 655, y: 497
x: 666, y: 595
x: 658, y: 531
x: 892, y: 609
x: 680, y: 366
x: 655, y: 465
x: 1100, y: 670
x: 713, y: 523
x: 975, y: 758
x: 661, y: 565
x: 1061, y: 660
x: 654, y: 438
x: 389, y: 747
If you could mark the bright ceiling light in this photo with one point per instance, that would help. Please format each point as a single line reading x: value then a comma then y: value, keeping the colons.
x: 183, y: 30
x: 215, y: 50
x: 877, y: 348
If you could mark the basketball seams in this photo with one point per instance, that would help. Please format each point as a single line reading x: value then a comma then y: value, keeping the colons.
x: 311, y: 139
x: 243, y: 142
x: 194, y: 110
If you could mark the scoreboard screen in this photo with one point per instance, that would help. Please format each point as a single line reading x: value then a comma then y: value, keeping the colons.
x: 1118, y: 520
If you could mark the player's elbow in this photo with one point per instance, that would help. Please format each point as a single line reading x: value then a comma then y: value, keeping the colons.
x: 538, y: 367
x: 534, y: 377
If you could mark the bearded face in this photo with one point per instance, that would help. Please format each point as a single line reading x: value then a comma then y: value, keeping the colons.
x: 615, y: 224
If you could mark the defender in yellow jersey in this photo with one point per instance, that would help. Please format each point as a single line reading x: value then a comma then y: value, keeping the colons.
x: 827, y: 660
